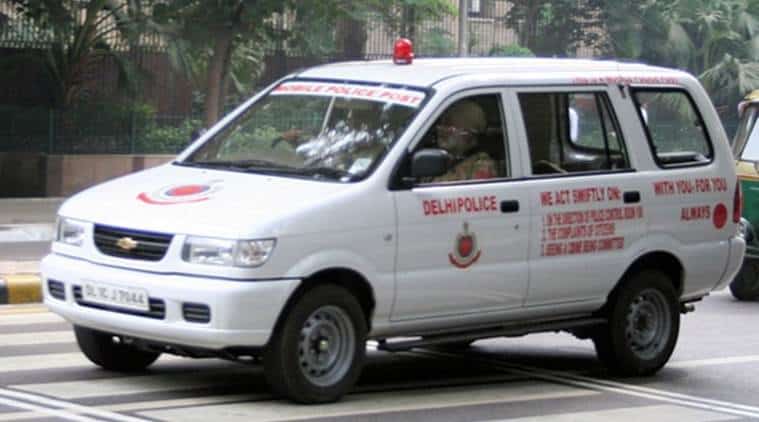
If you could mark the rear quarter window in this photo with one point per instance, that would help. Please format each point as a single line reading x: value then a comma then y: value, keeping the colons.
x: 675, y: 129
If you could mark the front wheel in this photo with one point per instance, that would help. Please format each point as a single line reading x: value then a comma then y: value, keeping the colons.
x: 102, y: 351
x: 643, y: 325
x: 745, y: 285
x: 316, y: 354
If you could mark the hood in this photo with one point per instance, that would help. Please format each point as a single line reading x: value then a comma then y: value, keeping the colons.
x: 203, y: 202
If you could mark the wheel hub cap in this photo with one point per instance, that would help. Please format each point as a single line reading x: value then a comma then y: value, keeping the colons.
x: 648, y: 324
x: 325, y: 349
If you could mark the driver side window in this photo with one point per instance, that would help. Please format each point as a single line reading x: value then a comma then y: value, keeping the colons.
x: 471, y: 130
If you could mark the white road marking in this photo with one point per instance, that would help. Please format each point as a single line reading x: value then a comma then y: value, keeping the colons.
x: 29, y: 318
x: 41, y: 362
x: 610, y: 386
x: 374, y: 403
x: 732, y: 360
x: 174, y: 381
x: 29, y: 339
x: 664, y: 413
x: 44, y: 411
x: 67, y: 407
x: 147, y: 405
x: 55, y: 361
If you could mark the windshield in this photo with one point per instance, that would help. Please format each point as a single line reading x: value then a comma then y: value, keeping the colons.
x: 747, y: 137
x: 312, y: 129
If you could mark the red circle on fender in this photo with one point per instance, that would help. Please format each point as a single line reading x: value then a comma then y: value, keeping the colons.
x: 719, y: 217
x: 187, y: 190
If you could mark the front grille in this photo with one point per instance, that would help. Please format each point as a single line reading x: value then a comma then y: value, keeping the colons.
x: 196, y: 312
x: 157, y: 306
x: 149, y: 246
x: 56, y: 289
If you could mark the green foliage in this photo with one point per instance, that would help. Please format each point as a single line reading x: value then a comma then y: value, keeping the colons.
x: 716, y: 40
x: 510, y: 50
x: 555, y: 27
x: 166, y: 137
x: 436, y: 42
x: 75, y: 35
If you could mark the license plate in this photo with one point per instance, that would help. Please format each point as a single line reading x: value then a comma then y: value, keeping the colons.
x: 117, y: 296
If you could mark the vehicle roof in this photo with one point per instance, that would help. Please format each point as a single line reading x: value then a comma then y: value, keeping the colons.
x: 752, y: 96
x: 427, y: 72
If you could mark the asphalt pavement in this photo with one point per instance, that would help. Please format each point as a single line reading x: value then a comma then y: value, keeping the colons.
x: 713, y: 376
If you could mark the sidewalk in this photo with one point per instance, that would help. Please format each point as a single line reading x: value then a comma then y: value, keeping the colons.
x: 27, y: 227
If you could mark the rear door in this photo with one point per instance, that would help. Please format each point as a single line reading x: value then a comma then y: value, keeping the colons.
x: 586, y: 201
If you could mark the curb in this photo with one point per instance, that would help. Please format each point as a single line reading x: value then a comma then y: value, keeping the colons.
x: 20, y: 288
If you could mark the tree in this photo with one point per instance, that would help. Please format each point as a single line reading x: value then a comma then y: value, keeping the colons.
x: 75, y: 35
x: 215, y: 26
x: 555, y: 27
x: 208, y: 35
x: 716, y: 40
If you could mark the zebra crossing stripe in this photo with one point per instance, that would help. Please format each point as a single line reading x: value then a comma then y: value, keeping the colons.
x: 147, y: 405
x: 54, y: 361
x: 70, y: 411
x: 375, y: 403
x: 40, y: 410
x: 174, y: 381
x: 661, y: 413
x: 608, y: 386
x: 29, y: 339
x: 23, y: 315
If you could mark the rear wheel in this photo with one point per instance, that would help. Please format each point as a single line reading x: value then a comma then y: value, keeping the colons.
x: 745, y: 285
x: 316, y: 354
x: 102, y: 351
x: 643, y: 325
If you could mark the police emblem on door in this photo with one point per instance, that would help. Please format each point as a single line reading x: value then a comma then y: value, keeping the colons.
x: 465, y: 250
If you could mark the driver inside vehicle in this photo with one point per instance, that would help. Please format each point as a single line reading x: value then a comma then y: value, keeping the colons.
x: 460, y: 131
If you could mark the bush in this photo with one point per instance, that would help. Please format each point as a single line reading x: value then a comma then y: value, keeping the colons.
x: 510, y: 50
x: 171, y: 138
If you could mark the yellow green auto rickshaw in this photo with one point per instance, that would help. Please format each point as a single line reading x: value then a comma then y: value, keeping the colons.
x: 745, y: 286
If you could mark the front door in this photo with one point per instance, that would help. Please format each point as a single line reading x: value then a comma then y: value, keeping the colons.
x: 463, y: 237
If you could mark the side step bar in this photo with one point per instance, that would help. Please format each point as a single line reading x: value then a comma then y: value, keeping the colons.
x: 502, y: 331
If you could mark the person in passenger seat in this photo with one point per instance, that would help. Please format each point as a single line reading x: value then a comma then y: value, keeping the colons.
x: 460, y: 131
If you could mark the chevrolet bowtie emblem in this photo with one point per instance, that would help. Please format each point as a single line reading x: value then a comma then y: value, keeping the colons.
x: 127, y: 243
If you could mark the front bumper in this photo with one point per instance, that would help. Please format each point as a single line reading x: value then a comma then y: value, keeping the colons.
x: 242, y: 313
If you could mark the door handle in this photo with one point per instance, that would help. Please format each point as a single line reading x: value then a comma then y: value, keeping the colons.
x: 509, y: 206
x: 631, y: 197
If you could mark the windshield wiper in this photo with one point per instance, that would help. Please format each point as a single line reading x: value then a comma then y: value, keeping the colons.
x: 263, y: 166
x: 330, y: 172
x: 252, y: 165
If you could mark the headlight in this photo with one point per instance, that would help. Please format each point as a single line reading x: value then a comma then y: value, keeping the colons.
x: 70, y: 232
x: 238, y: 253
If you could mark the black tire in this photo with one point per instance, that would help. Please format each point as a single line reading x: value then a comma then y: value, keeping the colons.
x: 643, y: 325
x: 326, y: 320
x: 745, y: 285
x: 102, y: 351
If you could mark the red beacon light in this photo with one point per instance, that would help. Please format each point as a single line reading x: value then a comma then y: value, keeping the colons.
x: 403, y: 51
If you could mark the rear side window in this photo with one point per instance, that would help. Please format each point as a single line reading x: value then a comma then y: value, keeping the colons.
x: 675, y: 129
x: 572, y: 132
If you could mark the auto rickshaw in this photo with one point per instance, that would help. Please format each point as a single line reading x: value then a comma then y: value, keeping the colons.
x: 745, y: 286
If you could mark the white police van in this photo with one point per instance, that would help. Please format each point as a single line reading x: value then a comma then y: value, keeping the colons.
x: 416, y: 203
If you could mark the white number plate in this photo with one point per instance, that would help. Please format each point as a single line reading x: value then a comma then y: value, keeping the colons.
x: 121, y: 297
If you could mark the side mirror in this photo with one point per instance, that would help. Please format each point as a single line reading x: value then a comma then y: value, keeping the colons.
x: 429, y: 162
